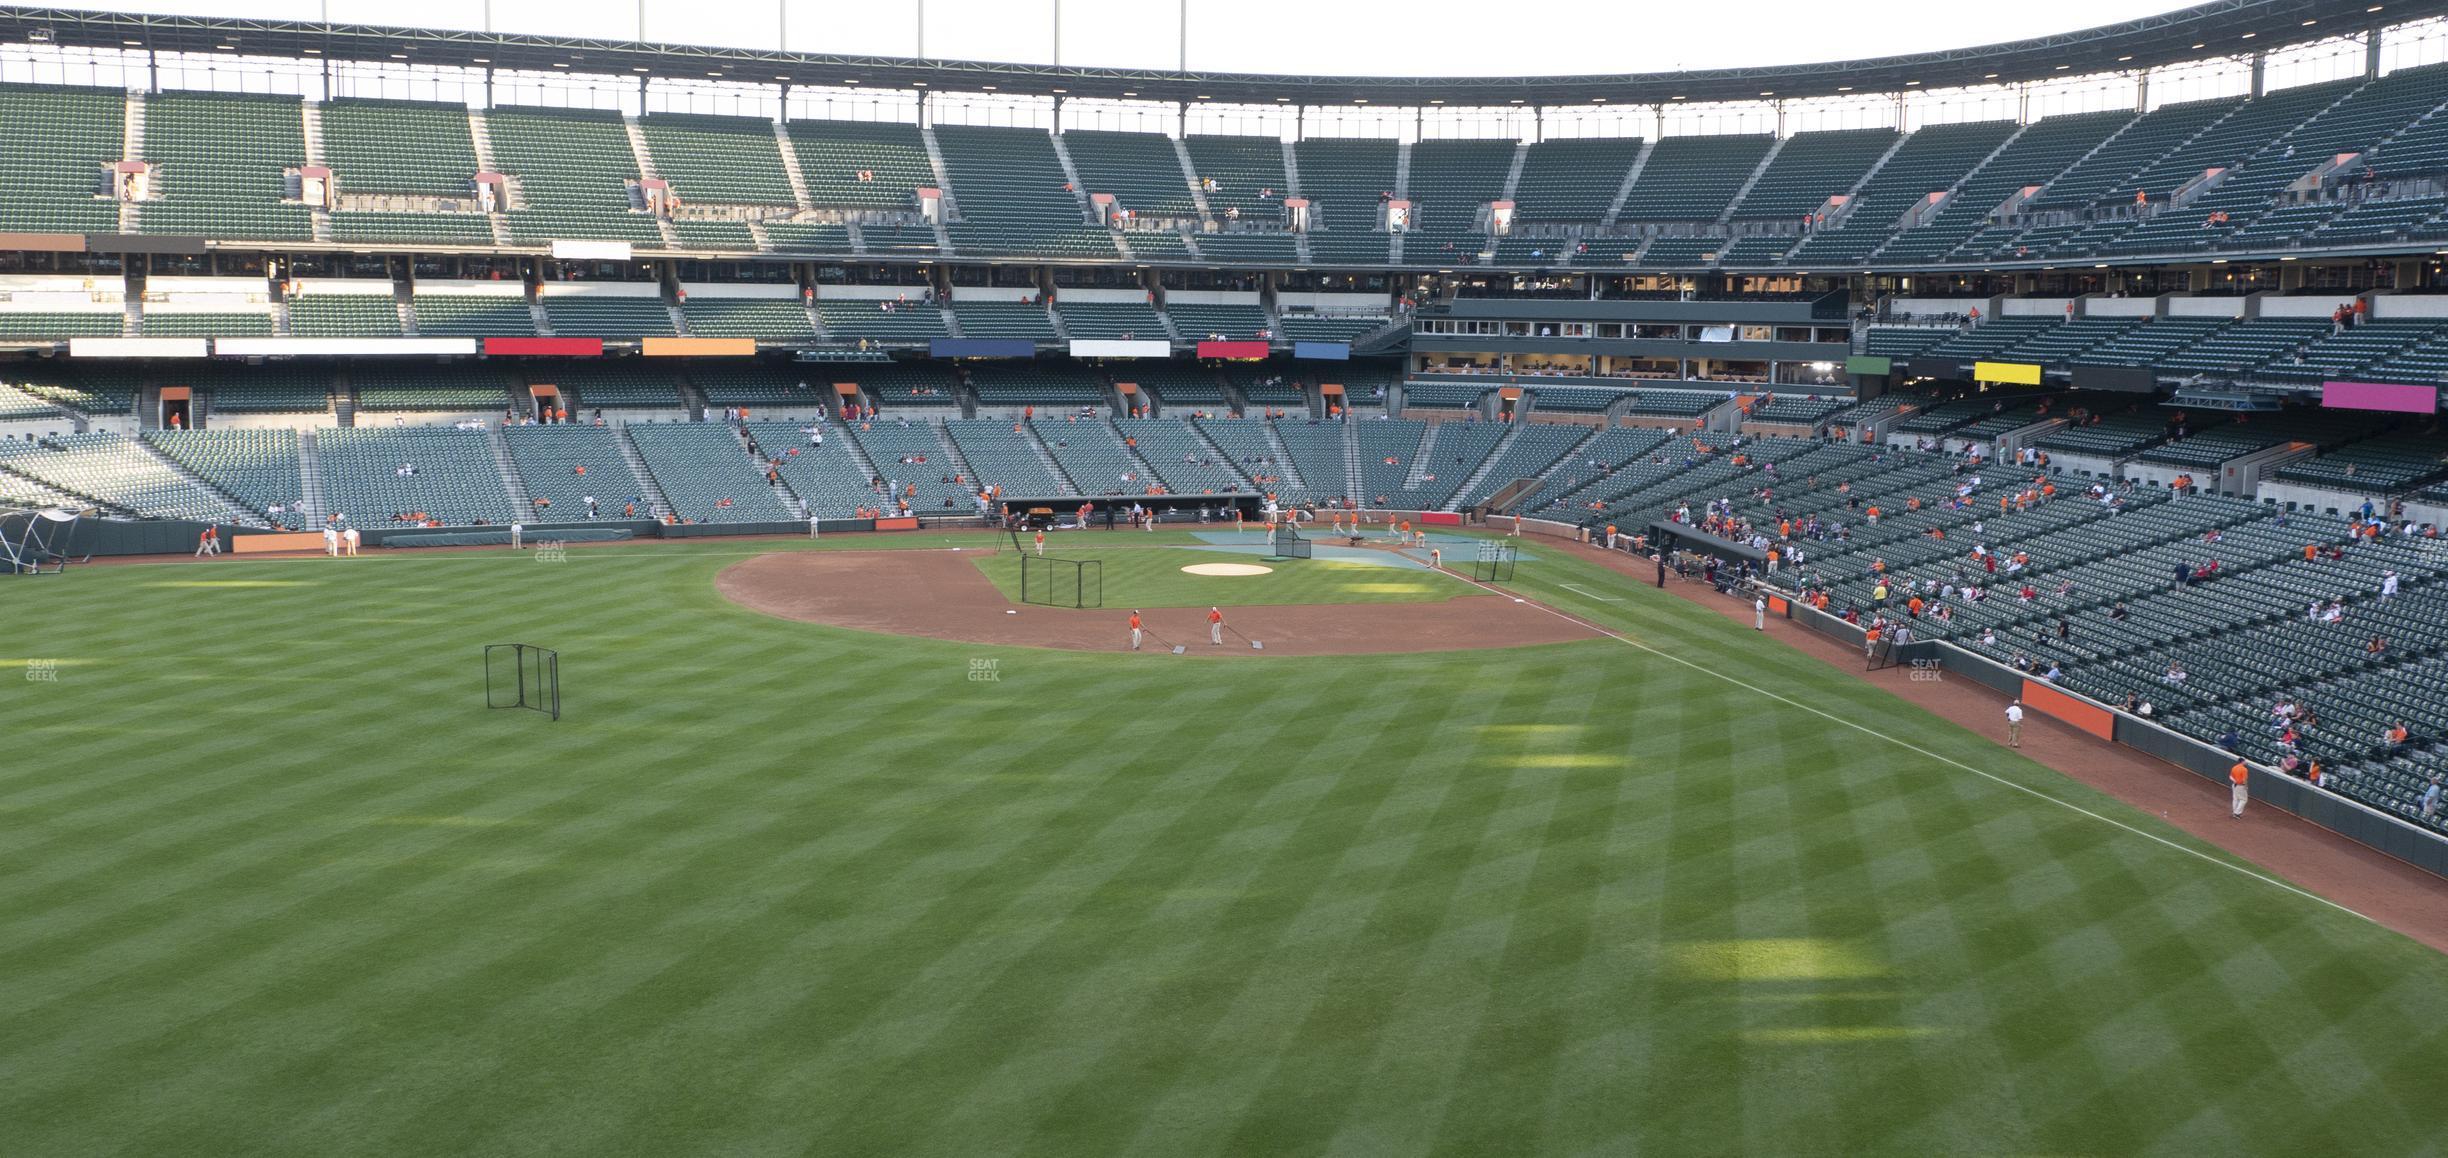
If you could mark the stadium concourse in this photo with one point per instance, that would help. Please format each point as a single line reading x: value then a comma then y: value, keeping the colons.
x: 2100, y: 375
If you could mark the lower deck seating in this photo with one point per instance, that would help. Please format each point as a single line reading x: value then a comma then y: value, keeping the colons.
x: 115, y: 471
x: 707, y: 474
x: 376, y: 476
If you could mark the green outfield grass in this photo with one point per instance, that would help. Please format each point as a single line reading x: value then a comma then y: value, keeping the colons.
x: 274, y: 882
x: 1134, y: 575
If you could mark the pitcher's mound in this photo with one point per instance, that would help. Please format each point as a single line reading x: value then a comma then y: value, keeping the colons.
x: 1227, y: 569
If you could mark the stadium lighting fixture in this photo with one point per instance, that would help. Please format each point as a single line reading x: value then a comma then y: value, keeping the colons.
x: 1682, y: 98
x: 2310, y: 23
x: 1844, y: 88
x: 2123, y: 59
x: 477, y: 59
x: 1127, y: 92
x: 399, y: 56
x: 918, y: 84
x: 560, y: 64
x: 1910, y: 83
x: 1359, y: 100
x: 1060, y: 91
x: 849, y: 80
x: 637, y: 68
x: 226, y: 47
x: 2063, y: 67
x: 133, y: 43
x: 987, y: 87
x: 1281, y: 100
x: 1436, y: 100
x: 2250, y: 35
x: 1768, y: 94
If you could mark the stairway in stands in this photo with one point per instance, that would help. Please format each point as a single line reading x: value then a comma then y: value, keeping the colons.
x: 310, y: 478
x: 1479, y: 473
x: 637, y: 470
x: 512, y: 484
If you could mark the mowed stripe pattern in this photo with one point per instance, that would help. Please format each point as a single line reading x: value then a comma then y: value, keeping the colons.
x: 276, y: 883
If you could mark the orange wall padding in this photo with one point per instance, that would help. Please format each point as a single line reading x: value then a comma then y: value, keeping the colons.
x: 2041, y: 697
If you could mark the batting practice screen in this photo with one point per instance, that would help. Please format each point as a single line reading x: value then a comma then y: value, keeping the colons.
x: 1057, y: 582
x: 522, y: 675
x: 1493, y: 563
x: 1286, y: 543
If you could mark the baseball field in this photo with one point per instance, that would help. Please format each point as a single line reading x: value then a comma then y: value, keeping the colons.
x: 274, y: 881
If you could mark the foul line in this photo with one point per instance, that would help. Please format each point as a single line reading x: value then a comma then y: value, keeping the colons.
x: 1591, y: 594
x: 1909, y: 746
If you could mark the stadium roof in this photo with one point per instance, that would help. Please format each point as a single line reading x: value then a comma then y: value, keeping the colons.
x: 2223, y: 28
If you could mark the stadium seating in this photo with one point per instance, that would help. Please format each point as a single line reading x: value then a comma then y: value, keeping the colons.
x: 1319, y: 456
x: 1931, y: 159
x: 905, y: 322
x: 827, y: 478
x: 473, y: 315
x: 359, y: 225
x: 1198, y: 322
x: 795, y: 391
x: 902, y: 385
x: 1305, y: 326
x: 399, y: 147
x: 1811, y: 168
x: 705, y: 234
x: 1250, y: 247
x: 1528, y: 453
x: 1015, y: 386
x: 817, y: 236
x: 271, y: 388
x: 1248, y: 172
x: 222, y: 161
x: 1693, y: 178
x: 609, y: 385
x: 1139, y: 169
x: 1452, y: 179
x: 1345, y: 179
x: 566, y: 464
x: 259, y: 468
x: 1004, y: 455
x: 573, y: 168
x: 918, y: 454
x: 2041, y: 151
x: 583, y: 315
x: 717, y: 160
x: 1010, y: 187
x: 1005, y: 320
x: 455, y: 478
x: 384, y: 389
x: 1573, y: 179
x: 343, y: 316
x: 706, y: 473
x: 114, y: 471
x: 772, y: 319
x: 206, y: 324
x: 861, y: 165
x: 107, y: 389
x: 58, y: 143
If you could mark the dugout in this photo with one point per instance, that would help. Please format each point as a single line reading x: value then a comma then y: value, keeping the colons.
x: 1108, y: 510
x: 1667, y: 535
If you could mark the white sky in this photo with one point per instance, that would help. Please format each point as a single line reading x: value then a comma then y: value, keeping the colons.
x: 1380, y: 37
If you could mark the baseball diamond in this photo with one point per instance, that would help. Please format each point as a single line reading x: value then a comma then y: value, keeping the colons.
x: 674, y: 581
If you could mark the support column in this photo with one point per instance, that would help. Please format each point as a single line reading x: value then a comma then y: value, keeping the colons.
x: 2371, y: 55
x: 2142, y: 91
x: 2260, y: 63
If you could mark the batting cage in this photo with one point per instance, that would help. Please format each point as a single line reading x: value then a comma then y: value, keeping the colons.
x: 522, y: 675
x: 36, y: 542
x: 1285, y: 542
x: 1053, y: 581
x: 1494, y: 562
